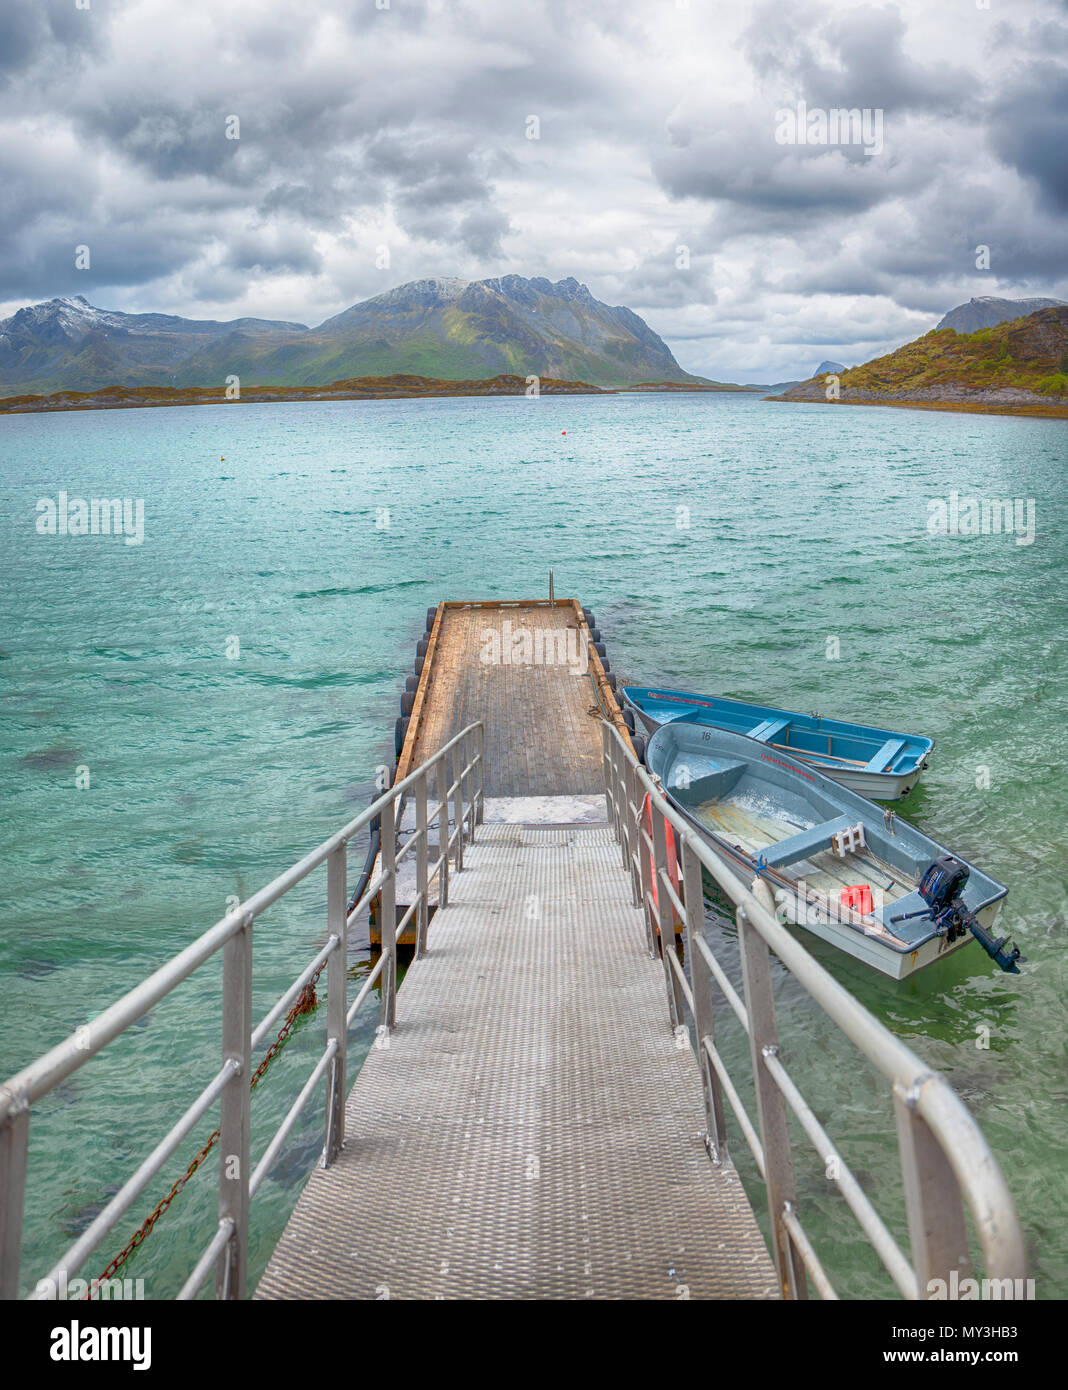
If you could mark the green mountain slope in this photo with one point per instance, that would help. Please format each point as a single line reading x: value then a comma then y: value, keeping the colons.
x: 448, y: 329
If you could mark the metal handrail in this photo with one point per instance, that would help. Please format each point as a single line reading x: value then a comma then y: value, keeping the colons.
x: 227, y: 1250
x: 946, y: 1162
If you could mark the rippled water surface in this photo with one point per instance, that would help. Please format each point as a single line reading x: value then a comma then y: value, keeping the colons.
x: 723, y: 543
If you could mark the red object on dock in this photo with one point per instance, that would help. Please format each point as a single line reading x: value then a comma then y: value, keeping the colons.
x: 858, y: 897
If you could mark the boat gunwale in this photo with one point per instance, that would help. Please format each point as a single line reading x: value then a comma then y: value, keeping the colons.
x: 632, y: 696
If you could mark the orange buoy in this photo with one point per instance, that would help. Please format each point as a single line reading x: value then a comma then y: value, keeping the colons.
x: 672, y: 859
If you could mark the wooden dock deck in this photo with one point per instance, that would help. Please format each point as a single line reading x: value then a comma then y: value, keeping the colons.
x: 531, y: 1129
x: 488, y: 661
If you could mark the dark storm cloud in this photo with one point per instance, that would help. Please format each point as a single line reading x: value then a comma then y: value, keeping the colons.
x: 850, y: 58
x: 53, y: 31
x: 1028, y: 126
x: 481, y: 230
x: 736, y: 159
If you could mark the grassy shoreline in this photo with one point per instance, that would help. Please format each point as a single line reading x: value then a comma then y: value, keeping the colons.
x: 397, y: 387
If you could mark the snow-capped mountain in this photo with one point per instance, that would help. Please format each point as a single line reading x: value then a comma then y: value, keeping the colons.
x: 447, y: 327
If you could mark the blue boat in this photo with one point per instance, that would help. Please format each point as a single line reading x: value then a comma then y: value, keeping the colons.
x: 877, y: 763
x: 854, y: 874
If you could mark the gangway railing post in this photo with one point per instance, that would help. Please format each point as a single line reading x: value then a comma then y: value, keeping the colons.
x: 937, y: 1233
x: 458, y: 803
x: 646, y: 870
x: 480, y: 743
x: 771, y: 1104
x: 472, y: 793
x: 693, y: 896
x: 231, y: 1271
x: 14, y: 1142
x: 443, y: 834
x: 389, y: 916
x: 607, y: 771
x: 612, y: 781
x: 665, y: 915
x: 630, y: 814
x: 619, y: 796
x: 422, y: 915
x: 337, y: 1003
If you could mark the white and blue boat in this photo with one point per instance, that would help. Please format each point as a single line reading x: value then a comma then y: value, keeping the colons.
x: 876, y: 763
x: 852, y: 873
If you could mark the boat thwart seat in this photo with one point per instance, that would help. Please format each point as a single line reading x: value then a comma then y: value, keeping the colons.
x: 886, y: 755
x: 769, y: 729
x: 805, y: 843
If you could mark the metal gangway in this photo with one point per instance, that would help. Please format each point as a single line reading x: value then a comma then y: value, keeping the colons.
x: 614, y: 1029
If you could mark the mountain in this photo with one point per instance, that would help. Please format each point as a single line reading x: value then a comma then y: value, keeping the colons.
x: 445, y: 328
x: 835, y: 368
x: 1019, y: 363
x: 988, y: 312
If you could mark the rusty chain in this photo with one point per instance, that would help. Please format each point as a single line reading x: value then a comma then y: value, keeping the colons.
x: 306, y: 1004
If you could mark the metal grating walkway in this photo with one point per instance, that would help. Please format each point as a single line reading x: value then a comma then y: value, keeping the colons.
x: 531, y: 1131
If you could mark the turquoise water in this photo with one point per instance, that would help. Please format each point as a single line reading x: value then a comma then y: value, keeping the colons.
x: 209, y: 775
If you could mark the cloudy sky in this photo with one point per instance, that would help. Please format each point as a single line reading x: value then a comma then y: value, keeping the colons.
x: 405, y: 125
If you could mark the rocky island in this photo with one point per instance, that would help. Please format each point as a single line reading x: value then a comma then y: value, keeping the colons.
x: 1016, y: 367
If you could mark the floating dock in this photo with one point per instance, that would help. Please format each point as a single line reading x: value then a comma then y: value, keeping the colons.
x: 500, y: 663
x: 515, y: 1137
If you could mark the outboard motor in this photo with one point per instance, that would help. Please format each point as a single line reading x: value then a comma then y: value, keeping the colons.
x: 941, y: 888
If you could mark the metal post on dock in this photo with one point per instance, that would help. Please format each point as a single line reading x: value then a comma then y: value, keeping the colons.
x: 421, y: 865
x: 14, y: 1143
x: 693, y: 896
x: 336, y: 1000
x: 458, y: 803
x: 645, y: 869
x: 552, y: 600
x: 470, y: 777
x: 389, y: 916
x: 611, y: 783
x: 619, y: 803
x: 630, y: 804
x: 443, y: 834
x: 771, y: 1104
x: 665, y: 916
x: 235, y: 1122
x: 480, y: 743
x: 937, y: 1233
